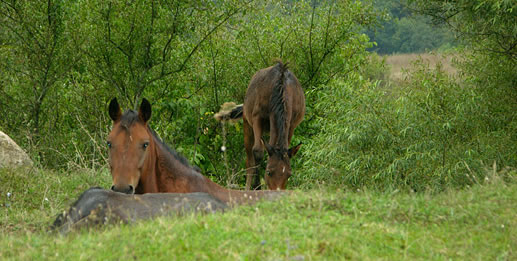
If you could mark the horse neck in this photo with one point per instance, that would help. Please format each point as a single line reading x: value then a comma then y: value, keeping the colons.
x: 179, y: 178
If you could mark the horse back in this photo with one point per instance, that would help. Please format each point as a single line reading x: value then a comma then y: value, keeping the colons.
x: 97, y: 206
x: 260, y: 91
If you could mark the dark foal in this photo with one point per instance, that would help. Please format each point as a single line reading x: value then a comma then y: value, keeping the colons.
x: 97, y: 206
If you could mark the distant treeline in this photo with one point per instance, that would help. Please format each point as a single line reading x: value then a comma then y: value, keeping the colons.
x: 402, y: 31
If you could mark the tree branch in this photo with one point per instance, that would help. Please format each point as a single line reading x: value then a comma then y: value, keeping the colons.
x: 186, y: 60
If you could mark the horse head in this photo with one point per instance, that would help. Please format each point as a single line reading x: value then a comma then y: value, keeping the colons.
x: 129, y: 143
x: 278, y: 169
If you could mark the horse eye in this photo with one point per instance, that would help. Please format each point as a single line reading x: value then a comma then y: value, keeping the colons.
x: 109, y: 144
x: 145, y: 145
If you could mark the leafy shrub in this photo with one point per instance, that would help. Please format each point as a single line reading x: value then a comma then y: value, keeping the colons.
x: 436, y: 132
x: 186, y: 57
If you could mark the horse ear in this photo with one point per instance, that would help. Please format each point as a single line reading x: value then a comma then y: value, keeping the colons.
x: 114, y: 110
x: 292, y: 151
x: 145, y: 110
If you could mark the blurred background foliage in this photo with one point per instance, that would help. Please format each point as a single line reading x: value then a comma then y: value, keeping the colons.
x: 62, y: 61
x: 403, y: 29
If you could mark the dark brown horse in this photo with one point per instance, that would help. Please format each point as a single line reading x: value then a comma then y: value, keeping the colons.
x: 97, y: 206
x: 274, y: 103
x: 141, y: 163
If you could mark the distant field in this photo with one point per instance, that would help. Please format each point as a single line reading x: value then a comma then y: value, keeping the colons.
x: 402, y: 62
x: 479, y: 223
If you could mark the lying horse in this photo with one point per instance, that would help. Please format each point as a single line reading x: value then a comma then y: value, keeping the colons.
x: 141, y: 163
x: 274, y: 102
x: 97, y: 206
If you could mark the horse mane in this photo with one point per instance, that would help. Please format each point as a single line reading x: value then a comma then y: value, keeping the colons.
x: 174, y: 153
x: 277, y: 103
x: 130, y: 117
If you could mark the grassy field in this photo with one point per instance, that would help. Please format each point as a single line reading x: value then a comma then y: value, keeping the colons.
x: 400, y: 63
x: 479, y: 223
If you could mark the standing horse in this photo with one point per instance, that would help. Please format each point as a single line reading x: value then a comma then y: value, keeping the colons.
x: 141, y: 163
x: 274, y: 102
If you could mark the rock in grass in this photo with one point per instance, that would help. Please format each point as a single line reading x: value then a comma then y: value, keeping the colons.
x: 11, y: 155
x: 97, y: 206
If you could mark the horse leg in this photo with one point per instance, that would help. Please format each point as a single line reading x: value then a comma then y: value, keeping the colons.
x: 291, y: 132
x: 258, y: 150
x: 251, y: 168
x: 293, y: 125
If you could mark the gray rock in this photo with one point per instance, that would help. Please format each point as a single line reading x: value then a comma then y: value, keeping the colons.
x: 11, y: 155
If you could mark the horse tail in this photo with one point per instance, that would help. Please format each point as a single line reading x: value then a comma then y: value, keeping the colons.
x: 277, y: 102
x: 277, y: 97
x: 283, y: 67
x: 229, y: 111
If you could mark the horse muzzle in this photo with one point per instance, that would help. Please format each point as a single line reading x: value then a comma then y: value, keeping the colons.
x: 126, y: 189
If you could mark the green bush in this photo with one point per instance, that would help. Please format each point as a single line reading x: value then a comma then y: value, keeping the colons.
x: 186, y: 57
x: 63, y: 61
x: 436, y: 132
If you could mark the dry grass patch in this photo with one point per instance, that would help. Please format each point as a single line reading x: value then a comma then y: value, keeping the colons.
x: 401, y: 63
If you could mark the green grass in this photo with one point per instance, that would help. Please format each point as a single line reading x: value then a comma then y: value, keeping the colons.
x: 479, y: 223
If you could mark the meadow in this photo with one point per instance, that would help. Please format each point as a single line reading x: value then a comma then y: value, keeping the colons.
x: 318, y: 224
x: 400, y: 64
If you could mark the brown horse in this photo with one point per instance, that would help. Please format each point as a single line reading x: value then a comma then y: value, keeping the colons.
x: 274, y: 102
x: 141, y: 163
